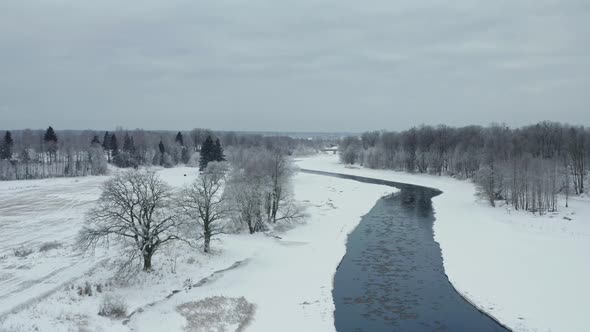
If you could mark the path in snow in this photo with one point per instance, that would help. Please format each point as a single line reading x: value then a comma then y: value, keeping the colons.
x: 204, y: 281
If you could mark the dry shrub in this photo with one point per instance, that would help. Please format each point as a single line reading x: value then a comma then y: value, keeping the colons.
x: 113, y: 306
x: 85, y: 290
x: 22, y: 251
x: 217, y: 313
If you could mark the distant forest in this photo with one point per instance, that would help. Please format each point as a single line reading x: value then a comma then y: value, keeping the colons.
x: 528, y: 168
x: 525, y: 167
x: 35, y: 154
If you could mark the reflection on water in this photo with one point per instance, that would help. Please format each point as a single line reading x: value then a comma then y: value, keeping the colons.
x: 392, y: 277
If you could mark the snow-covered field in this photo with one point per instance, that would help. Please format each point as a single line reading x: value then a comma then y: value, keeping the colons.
x: 288, y: 279
x: 36, y: 212
x: 530, y: 272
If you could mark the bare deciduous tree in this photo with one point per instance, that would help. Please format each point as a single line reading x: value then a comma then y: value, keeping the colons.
x: 526, y: 167
x: 280, y: 171
x: 490, y: 184
x: 204, y: 204
x: 259, y: 188
x: 277, y: 171
x: 134, y: 210
x: 350, y: 149
x: 246, y: 197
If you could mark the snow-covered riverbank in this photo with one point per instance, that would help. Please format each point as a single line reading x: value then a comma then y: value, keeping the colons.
x: 529, y: 272
x: 288, y: 279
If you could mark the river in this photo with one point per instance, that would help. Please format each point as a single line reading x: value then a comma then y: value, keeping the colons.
x: 392, y: 276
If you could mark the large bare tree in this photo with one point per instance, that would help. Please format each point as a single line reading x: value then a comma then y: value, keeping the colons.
x: 204, y: 204
x: 134, y: 210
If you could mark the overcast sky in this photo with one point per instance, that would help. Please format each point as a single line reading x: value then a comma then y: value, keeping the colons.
x: 292, y: 65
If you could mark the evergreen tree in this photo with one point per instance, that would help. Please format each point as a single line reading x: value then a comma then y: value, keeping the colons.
x: 114, y: 148
x: 179, y: 140
x: 6, y: 146
x: 106, y: 141
x: 113, y: 144
x: 218, y: 152
x: 162, y: 149
x: 128, y: 144
x: 50, y: 135
x: 50, y: 139
x: 207, y: 153
x: 127, y: 158
x: 106, y: 145
x: 95, y: 141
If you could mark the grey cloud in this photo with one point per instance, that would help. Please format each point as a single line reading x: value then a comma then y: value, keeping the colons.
x: 322, y: 65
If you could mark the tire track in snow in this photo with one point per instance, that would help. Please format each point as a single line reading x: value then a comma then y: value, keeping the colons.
x: 50, y: 211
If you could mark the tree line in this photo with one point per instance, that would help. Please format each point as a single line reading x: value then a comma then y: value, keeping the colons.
x: 33, y: 154
x: 527, y: 167
x: 48, y: 156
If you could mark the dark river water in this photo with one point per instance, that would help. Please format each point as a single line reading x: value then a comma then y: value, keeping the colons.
x: 392, y: 276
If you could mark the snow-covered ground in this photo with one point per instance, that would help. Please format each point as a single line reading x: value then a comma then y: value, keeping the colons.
x: 32, y: 213
x: 530, y: 272
x: 288, y: 279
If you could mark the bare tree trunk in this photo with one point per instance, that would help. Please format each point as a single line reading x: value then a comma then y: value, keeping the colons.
x: 147, y: 260
x: 207, y: 233
x: 207, y: 242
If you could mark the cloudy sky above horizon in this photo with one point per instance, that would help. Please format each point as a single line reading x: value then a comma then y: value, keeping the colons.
x: 292, y: 65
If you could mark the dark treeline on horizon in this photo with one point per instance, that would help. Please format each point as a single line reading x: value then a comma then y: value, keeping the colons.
x: 526, y: 167
x: 31, y: 154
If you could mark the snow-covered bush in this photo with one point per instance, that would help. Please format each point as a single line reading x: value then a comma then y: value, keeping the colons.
x: 22, y: 251
x: 50, y: 246
x: 113, y: 306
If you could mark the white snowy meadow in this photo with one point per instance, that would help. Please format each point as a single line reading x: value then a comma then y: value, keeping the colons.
x: 288, y: 279
x: 529, y: 272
